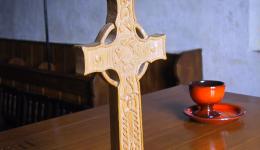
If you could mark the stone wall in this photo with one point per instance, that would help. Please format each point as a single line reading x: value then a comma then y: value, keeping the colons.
x: 226, y: 30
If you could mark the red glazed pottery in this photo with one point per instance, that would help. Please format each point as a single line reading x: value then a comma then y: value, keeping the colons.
x: 227, y: 113
x: 206, y: 94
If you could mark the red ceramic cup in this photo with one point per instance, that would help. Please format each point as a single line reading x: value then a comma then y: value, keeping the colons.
x: 207, y: 93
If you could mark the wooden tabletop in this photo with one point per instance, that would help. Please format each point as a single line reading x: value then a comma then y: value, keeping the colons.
x: 165, y: 127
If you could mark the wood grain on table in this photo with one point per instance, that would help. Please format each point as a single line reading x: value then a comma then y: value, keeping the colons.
x: 165, y: 127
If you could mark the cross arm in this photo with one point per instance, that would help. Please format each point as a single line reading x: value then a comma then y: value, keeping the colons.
x: 96, y: 58
x: 155, y: 47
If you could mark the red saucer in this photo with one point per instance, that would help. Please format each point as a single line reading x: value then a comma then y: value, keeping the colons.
x: 228, y: 113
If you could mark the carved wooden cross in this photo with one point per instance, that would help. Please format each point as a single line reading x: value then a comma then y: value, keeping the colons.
x: 128, y: 55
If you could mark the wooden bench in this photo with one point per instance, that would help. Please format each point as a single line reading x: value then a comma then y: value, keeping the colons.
x: 65, y: 85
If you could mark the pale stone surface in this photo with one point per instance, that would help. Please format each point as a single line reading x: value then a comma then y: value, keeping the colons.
x: 254, y: 25
x: 22, y: 19
x: 222, y: 28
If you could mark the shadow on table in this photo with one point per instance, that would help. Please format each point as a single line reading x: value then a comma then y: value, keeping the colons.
x: 176, y: 107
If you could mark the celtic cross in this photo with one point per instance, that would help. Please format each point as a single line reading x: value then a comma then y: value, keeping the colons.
x: 128, y: 54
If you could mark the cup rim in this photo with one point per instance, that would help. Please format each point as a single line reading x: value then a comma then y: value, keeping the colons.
x: 206, y: 83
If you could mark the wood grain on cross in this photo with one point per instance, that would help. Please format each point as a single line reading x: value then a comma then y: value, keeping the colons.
x: 128, y: 54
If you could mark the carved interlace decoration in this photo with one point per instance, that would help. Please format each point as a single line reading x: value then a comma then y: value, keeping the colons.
x: 128, y: 55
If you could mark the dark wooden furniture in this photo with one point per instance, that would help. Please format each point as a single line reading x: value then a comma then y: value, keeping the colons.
x: 63, y: 83
x: 21, y: 108
x: 165, y: 127
x: 21, y: 69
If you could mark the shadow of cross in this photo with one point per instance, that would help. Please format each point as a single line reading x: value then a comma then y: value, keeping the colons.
x: 128, y: 55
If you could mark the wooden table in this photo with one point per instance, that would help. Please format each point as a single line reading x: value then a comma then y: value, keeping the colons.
x: 165, y: 127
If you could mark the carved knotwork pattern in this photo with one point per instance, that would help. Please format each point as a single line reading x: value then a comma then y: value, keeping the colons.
x: 131, y: 122
x: 125, y: 55
x: 125, y: 20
